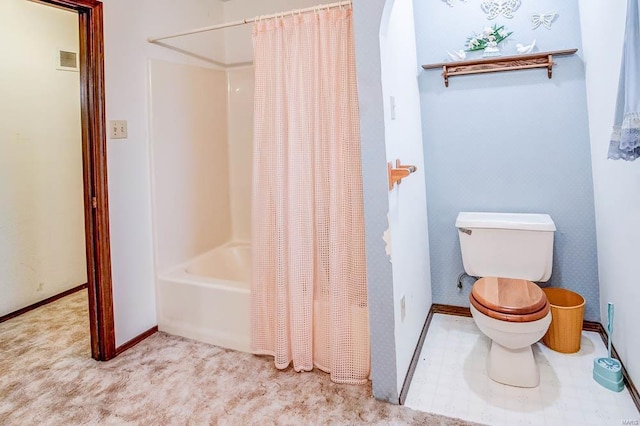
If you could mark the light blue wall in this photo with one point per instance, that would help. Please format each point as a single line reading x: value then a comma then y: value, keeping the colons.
x: 507, y: 142
x: 367, y: 15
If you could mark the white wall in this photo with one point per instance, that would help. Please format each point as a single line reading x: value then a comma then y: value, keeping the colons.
x: 239, y: 45
x: 42, y: 250
x: 617, y: 183
x: 127, y: 25
x: 190, y: 169
x: 241, y: 93
x: 170, y: 17
x: 407, y: 201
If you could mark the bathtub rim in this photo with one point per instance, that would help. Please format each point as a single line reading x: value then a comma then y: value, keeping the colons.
x: 179, y: 273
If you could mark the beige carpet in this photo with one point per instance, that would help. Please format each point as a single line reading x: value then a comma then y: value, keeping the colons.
x: 48, y: 377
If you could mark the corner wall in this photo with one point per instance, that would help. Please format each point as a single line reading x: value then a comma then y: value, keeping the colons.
x: 42, y: 242
x: 617, y: 183
x: 238, y: 40
x: 367, y: 16
x: 407, y: 201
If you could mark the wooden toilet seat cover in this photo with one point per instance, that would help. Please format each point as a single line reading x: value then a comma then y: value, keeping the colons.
x: 509, y: 299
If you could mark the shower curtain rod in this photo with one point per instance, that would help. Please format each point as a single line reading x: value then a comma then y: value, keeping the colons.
x: 251, y: 20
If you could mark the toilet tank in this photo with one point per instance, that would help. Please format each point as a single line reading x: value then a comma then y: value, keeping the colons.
x: 508, y: 245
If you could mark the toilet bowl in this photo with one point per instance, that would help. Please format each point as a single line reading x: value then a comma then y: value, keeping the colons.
x: 509, y: 251
x: 514, y: 314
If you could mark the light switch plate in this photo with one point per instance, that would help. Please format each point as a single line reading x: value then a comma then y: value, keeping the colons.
x: 118, y: 129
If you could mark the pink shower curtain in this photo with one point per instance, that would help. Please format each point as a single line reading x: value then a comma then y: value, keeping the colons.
x: 308, y: 293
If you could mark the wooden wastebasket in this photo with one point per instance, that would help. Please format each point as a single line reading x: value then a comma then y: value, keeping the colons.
x: 567, y: 313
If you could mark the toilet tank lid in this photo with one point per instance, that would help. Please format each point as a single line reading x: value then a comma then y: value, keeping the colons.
x: 523, y: 221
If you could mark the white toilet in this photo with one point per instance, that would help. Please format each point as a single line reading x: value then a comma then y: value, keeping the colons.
x: 509, y: 251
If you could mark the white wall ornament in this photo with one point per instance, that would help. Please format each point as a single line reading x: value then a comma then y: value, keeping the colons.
x: 524, y: 49
x: 450, y: 2
x: 457, y: 55
x: 545, y: 19
x: 495, y: 8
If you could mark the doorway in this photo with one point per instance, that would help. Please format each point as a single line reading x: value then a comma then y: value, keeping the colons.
x: 92, y: 196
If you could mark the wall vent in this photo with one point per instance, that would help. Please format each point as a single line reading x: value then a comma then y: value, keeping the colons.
x: 67, y: 60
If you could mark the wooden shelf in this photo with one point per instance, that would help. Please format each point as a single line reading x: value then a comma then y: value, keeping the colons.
x: 500, y: 63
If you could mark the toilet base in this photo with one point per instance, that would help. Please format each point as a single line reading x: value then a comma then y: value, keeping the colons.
x: 513, y: 367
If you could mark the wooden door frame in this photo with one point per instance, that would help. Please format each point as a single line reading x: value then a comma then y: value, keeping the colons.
x: 94, y: 161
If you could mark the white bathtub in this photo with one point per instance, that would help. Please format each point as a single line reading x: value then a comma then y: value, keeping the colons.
x: 207, y: 298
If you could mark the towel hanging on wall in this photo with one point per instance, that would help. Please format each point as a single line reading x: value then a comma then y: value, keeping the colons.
x: 625, y: 140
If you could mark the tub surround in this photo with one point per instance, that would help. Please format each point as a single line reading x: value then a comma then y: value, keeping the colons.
x: 190, y: 167
x: 201, y: 150
x: 240, y: 133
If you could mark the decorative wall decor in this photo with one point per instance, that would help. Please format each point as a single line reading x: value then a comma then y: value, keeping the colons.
x: 545, y: 19
x: 458, y: 55
x: 494, y: 8
x: 524, y: 49
x: 488, y: 40
x: 450, y: 2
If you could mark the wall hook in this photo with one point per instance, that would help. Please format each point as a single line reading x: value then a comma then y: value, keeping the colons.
x: 399, y: 172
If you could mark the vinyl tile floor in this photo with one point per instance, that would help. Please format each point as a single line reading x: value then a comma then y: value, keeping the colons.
x: 451, y: 380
